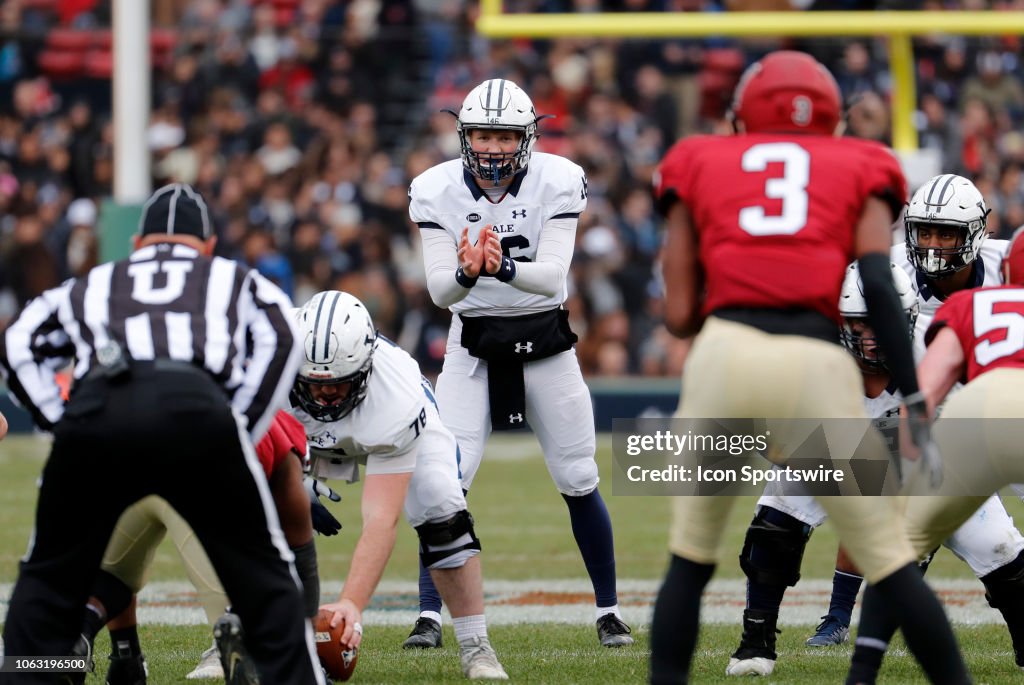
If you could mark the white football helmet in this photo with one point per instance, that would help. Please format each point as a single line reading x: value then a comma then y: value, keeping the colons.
x: 338, y: 340
x: 943, y: 202
x: 854, y: 310
x: 497, y: 104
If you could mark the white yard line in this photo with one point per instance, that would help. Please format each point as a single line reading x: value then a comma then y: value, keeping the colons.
x: 566, y: 601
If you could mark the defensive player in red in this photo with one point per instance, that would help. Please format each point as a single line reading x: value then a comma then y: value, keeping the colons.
x: 761, y: 227
x: 976, y: 337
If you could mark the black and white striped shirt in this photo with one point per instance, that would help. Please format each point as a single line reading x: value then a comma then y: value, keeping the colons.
x: 165, y: 301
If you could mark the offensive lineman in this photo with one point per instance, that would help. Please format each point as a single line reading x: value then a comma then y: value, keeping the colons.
x: 989, y: 542
x: 363, y: 400
x: 498, y: 230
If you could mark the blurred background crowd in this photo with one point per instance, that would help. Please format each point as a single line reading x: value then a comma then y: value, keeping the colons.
x: 303, y: 121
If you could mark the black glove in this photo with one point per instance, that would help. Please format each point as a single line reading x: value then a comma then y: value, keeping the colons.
x: 323, y: 520
x: 920, y: 425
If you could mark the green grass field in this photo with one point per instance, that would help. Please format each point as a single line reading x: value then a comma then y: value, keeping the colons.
x: 524, y: 527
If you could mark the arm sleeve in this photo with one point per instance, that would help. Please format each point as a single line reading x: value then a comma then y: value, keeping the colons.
x: 887, y: 320
x: 32, y: 349
x: 440, y: 259
x: 271, y: 369
x: 547, y: 274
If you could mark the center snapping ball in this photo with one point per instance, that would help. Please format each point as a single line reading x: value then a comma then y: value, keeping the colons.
x: 339, y: 660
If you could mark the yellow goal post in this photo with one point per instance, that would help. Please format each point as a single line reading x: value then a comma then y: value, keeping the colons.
x: 897, y: 26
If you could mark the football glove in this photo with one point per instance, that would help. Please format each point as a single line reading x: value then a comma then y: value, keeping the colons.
x: 323, y: 520
x: 920, y: 425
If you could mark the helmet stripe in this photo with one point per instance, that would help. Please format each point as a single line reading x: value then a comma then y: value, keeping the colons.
x: 949, y: 182
x: 330, y: 327
x: 942, y: 193
x: 487, y: 103
x: 316, y: 327
x: 501, y: 93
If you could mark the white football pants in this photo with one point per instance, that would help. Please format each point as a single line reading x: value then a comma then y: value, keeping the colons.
x: 558, y: 408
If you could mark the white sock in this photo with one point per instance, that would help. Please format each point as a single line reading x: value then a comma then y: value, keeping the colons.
x: 432, y: 615
x: 613, y: 609
x: 469, y: 627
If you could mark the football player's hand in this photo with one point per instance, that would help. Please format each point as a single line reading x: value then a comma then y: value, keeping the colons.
x: 346, y: 610
x: 471, y: 257
x: 323, y: 520
x: 492, y: 250
x: 919, y: 425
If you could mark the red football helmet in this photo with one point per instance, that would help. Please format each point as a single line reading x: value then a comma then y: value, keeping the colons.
x: 787, y: 92
x: 1013, y: 262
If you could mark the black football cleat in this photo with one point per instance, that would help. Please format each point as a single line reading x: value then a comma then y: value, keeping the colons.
x: 127, y: 670
x: 239, y: 668
x: 426, y: 634
x: 613, y: 632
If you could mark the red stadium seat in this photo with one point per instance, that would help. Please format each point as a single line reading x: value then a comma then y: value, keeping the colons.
x: 103, y: 40
x: 99, y: 64
x: 61, y: 64
x: 69, y: 39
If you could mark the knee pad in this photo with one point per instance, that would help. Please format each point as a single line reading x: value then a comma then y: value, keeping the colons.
x: 774, y: 548
x: 578, y: 477
x: 448, y: 543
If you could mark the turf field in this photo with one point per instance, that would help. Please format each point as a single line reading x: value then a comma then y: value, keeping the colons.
x: 541, y: 620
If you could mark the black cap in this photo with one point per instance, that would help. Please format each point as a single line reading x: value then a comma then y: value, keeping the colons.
x: 176, y: 209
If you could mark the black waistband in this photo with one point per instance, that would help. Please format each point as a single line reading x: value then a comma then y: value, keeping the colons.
x: 803, y: 322
x: 134, y: 368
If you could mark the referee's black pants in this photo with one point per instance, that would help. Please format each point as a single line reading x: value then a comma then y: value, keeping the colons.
x: 166, y: 431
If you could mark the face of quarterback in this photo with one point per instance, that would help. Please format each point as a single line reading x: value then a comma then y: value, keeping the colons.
x: 494, y: 146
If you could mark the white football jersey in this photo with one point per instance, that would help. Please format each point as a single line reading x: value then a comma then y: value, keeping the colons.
x: 447, y: 198
x: 991, y: 258
x: 385, y: 429
x: 885, y: 405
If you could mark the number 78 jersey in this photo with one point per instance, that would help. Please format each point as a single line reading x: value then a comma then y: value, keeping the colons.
x: 776, y: 214
x: 447, y: 198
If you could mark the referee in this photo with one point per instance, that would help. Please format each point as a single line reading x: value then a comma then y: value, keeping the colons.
x: 182, y: 359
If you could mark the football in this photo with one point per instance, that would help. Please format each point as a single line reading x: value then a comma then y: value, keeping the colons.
x: 338, y: 660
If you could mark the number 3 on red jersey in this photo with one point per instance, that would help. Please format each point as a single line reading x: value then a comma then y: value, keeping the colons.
x: 790, y: 188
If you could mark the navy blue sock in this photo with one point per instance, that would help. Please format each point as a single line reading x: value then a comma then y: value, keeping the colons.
x: 592, y: 528
x: 430, y: 598
x: 845, y: 587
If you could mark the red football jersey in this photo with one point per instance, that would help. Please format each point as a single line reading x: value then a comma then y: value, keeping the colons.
x: 990, y: 325
x: 776, y: 214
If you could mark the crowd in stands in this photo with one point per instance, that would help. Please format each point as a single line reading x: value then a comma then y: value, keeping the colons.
x: 303, y: 121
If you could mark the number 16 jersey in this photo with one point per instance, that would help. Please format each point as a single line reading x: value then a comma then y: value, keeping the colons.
x: 448, y: 198
x: 776, y: 214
